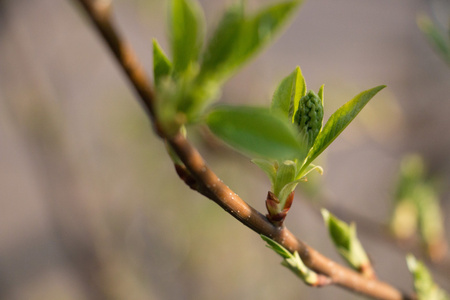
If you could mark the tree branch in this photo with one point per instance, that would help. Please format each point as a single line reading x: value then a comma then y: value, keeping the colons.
x: 208, y: 184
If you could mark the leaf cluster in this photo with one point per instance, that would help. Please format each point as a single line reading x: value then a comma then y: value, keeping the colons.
x: 188, y: 82
x: 286, y: 138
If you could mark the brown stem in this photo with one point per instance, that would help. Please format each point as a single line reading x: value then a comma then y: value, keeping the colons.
x: 208, y: 184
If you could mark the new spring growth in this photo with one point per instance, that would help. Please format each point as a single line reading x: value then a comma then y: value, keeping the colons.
x: 309, y: 116
x: 304, y: 111
x: 190, y: 80
x: 417, y: 207
x: 293, y: 262
x: 424, y: 285
x: 285, y: 140
x: 347, y: 244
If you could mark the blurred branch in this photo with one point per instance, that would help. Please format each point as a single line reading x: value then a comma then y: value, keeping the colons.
x: 37, y: 125
x: 379, y: 232
x: 199, y: 177
x: 99, y: 12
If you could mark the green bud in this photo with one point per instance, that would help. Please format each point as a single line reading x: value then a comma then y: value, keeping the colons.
x: 426, y: 288
x: 309, y: 116
x: 293, y: 262
x: 344, y: 237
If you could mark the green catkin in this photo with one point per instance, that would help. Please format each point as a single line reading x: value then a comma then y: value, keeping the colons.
x: 309, y: 116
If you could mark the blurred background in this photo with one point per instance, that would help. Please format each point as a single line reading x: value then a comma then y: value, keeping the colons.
x: 90, y: 205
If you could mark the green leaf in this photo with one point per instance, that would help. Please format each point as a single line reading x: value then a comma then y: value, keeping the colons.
x: 283, y: 252
x: 321, y: 96
x: 309, y: 169
x: 345, y: 240
x: 435, y: 36
x: 338, y: 121
x: 186, y: 25
x: 285, y: 181
x: 268, y: 167
x: 239, y: 37
x: 293, y: 262
x: 339, y: 231
x: 431, y: 223
x: 256, y: 132
x: 426, y: 288
x: 222, y: 45
x: 261, y: 28
x: 288, y: 93
x: 161, y: 64
x: 412, y: 173
x: 287, y: 189
x: 285, y: 174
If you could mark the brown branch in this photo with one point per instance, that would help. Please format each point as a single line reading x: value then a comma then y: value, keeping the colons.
x: 208, y: 184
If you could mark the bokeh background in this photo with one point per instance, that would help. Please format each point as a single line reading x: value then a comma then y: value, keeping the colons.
x: 90, y: 205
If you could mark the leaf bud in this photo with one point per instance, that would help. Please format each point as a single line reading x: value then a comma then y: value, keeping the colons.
x: 309, y: 116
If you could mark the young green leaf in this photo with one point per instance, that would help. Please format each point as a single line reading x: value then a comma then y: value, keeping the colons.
x: 285, y: 173
x: 293, y: 262
x: 262, y: 26
x: 339, y: 120
x: 302, y: 176
x: 288, y: 94
x: 287, y: 189
x: 320, y: 93
x: 283, y: 252
x: 426, y: 288
x: 223, y: 43
x: 239, y: 37
x: 346, y: 242
x: 338, y: 230
x: 161, y: 64
x: 268, y: 167
x: 186, y: 32
x: 256, y: 132
x: 296, y: 265
x: 431, y: 223
x: 436, y: 37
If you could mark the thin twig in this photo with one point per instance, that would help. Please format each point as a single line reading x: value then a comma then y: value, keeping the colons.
x: 208, y: 184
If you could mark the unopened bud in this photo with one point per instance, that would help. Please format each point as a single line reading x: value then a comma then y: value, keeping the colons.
x: 309, y: 116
